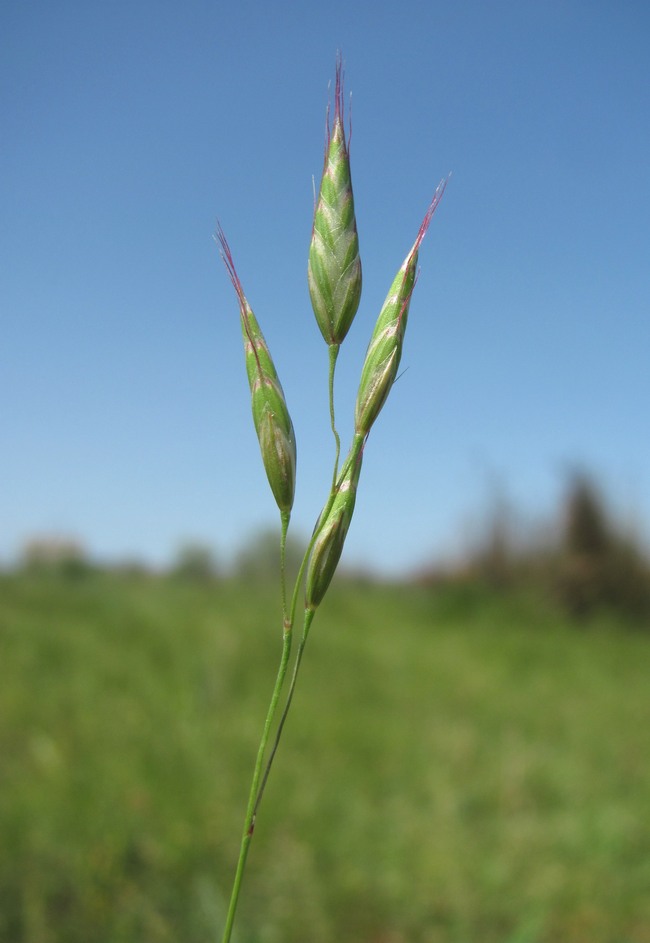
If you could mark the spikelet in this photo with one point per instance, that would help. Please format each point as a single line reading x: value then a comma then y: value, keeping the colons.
x: 385, y: 349
x: 270, y: 414
x: 328, y: 547
x: 334, y: 269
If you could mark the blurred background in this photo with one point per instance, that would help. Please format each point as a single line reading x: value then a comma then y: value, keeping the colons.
x: 479, y: 771
x: 129, y: 129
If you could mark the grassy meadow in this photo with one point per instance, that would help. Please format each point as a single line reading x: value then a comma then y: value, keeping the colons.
x: 457, y: 767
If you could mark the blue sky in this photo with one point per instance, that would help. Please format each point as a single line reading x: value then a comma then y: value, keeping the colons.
x: 128, y: 129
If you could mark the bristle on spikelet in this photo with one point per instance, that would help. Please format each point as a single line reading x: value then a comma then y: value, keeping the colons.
x: 385, y: 349
x: 334, y: 268
x: 270, y: 414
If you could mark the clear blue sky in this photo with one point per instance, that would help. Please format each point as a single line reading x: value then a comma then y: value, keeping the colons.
x: 129, y: 128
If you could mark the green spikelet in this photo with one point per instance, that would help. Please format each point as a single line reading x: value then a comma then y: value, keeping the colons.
x: 270, y: 414
x: 328, y: 547
x: 334, y: 270
x: 385, y: 348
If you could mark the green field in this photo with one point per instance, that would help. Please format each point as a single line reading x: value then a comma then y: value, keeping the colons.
x: 457, y: 768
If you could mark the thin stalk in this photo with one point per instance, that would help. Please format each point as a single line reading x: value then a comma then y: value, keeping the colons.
x: 253, y: 801
x: 334, y: 352
x: 308, y: 619
x: 249, y: 821
x: 285, y: 516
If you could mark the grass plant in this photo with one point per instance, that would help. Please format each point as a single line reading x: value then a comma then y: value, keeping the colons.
x: 334, y: 279
x: 465, y: 766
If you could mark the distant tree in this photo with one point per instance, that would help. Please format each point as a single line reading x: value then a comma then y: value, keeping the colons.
x: 599, y: 564
x: 587, y: 530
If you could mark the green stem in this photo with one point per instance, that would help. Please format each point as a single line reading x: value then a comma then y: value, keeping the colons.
x: 308, y: 619
x: 249, y: 821
x: 334, y: 352
x: 253, y: 800
x: 285, y: 516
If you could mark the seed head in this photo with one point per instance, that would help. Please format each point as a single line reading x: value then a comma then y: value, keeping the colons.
x: 385, y: 349
x: 270, y: 414
x: 328, y: 547
x: 334, y: 269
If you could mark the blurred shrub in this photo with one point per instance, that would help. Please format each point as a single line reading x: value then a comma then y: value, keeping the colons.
x: 56, y: 556
x: 586, y: 560
x: 195, y: 561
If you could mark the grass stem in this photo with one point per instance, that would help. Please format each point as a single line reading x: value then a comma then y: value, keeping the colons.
x: 254, y: 794
x: 333, y: 355
x: 308, y: 619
